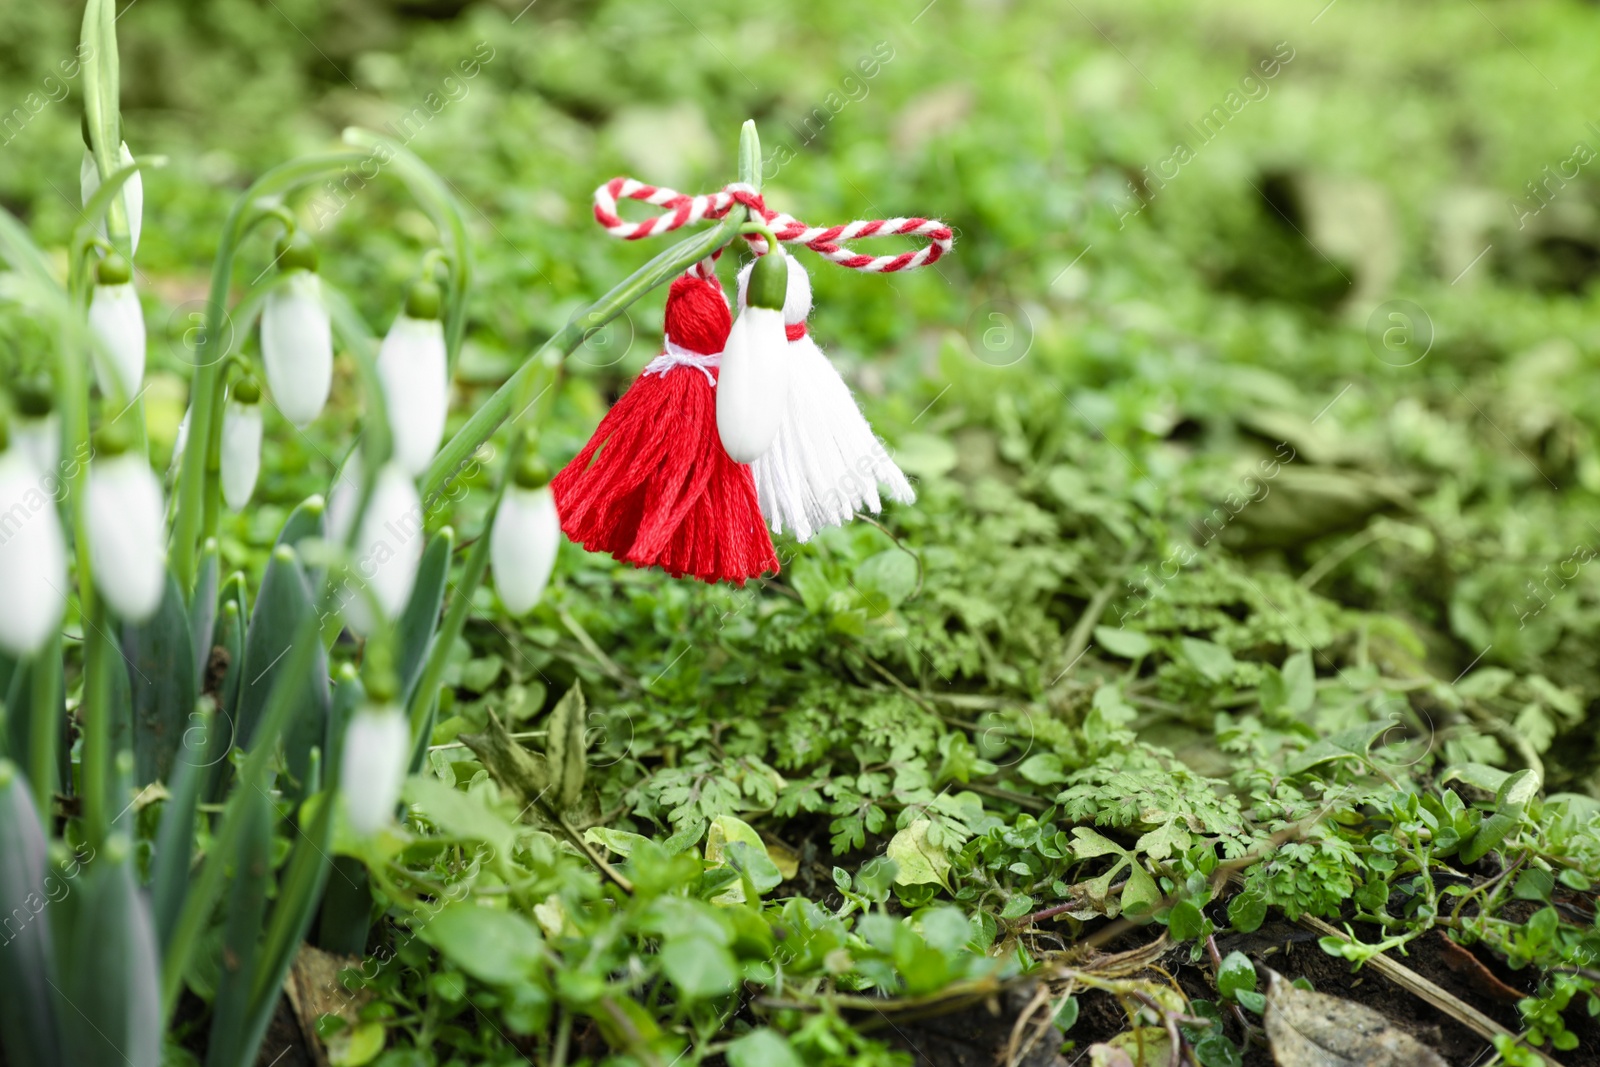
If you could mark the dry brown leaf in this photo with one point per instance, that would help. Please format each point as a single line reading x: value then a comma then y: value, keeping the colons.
x: 314, y: 991
x: 1316, y: 1030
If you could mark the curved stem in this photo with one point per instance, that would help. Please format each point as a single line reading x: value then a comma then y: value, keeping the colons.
x: 511, y: 399
x: 188, y: 514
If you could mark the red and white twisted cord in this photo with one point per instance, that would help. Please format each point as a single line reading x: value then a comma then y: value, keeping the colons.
x: 826, y: 241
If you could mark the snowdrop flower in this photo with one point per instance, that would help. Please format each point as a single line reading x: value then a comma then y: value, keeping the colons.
x: 372, y: 769
x: 753, y: 384
x: 37, y: 432
x: 118, y: 321
x: 33, y: 556
x: 388, y: 546
x: 524, y: 538
x: 296, y: 335
x: 416, y: 382
x: 241, y: 443
x: 126, y: 532
x: 132, y: 192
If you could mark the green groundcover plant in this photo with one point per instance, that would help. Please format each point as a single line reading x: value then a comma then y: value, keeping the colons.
x: 903, y: 780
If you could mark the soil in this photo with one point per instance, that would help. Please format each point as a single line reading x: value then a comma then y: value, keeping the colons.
x: 978, y: 1035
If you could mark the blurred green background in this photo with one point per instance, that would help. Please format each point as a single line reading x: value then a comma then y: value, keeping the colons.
x: 1171, y: 267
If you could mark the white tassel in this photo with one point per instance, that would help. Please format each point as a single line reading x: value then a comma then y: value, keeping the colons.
x: 387, y: 550
x: 132, y: 193
x: 522, y: 545
x: 241, y: 444
x: 118, y: 321
x: 372, y: 768
x: 416, y: 389
x: 126, y: 534
x: 296, y: 335
x: 33, y: 558
x: 825, y: 464
x: 753, y: 383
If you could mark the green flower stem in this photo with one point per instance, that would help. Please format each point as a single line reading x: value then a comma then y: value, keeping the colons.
x: 44, y: 726
x: 444, y: 208
x: 192, y: 482
x: 512, y: 396
x: 94, y: 763
x: 101, y: 92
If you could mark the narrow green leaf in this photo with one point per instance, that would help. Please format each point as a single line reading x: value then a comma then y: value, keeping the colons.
x: 112, y: 976
x: 27, y: 958
x: 416, y: 625
x: 161, y: 678
x: 244, y: 912
x: 283, y: 604
x: 203, y: 744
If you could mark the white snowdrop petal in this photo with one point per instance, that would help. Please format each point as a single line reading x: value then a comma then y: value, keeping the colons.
x: 387, y: 550
x: 33, y: 558
x: 522, y: 546
x: 118, y: 321
x: 825, y: 465
x: 241, y: 452
x: 372, y: 768
x: 753, y: 384
x: 416, y: 389
x: 132, y: 193
x: 126, y: 535
x: 297, y: 347
x: 38, y: 439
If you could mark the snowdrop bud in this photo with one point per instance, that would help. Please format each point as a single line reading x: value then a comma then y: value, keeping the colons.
x: 132, y: 192
x: 37, y: 432
x: 241, y: 443
x: 372, y: 769
x: 296, y: 335
x: 524, y: 539
x: 118, y: 321
x: 387, y: 549
x: 753, y: 384
x: 33, y: 556
x: 126, y: 535
x: 797, y: 299
x: 416, y: 382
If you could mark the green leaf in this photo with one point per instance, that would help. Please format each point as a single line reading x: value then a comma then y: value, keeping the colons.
x: 620, y: 842
x: 886, y: 580
x: 1211, y: 660
x: 1247, y: 911
x: 919, y: 862
x: 1237, y: 974
x: 498, y: 947
x: 1139, y: 894
x: 159, y: 654
x: 469, y: 814
x: 357, y: 1045
x: 1129, y: 644
x: 1299, y: 683
x: 283, y: 603
x: 699, y: 967
x: 762, y: 1048
x: 1185, y: 921
x: 1043, y: 768
x: 415, y: 627
x: 1066, y: 1015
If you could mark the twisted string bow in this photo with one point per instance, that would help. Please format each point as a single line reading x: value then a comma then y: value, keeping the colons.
x: 826, y: 241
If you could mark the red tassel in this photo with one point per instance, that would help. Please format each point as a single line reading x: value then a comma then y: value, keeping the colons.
x: 653, y: 486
